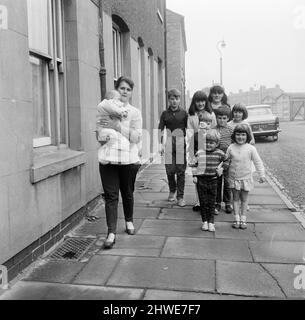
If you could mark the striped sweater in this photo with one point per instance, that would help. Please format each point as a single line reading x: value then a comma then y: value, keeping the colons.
x: 225, y: 137
x: 208, y: 161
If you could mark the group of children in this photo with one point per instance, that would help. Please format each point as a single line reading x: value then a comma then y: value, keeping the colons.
x: 221, y: 153
x: 222, y: 158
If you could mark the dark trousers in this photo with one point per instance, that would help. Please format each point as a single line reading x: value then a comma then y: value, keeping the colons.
x: 175, y: 165
x: 207, y: 191
x: 117, y: 178
x: 224, y: 196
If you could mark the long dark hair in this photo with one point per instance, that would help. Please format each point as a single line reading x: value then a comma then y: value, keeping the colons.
x: 219, y: 89
x: 199, y: 96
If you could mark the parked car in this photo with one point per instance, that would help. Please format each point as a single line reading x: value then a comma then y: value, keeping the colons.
x: 263, y: 122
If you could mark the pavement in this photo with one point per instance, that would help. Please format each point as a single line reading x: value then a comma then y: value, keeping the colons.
x: 170, y: 258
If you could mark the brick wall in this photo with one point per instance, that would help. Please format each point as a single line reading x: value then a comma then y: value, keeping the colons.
x: 142, y: 20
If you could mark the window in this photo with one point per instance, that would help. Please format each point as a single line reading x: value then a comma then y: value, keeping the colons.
x: 45, y: 27
x: 117, y: 52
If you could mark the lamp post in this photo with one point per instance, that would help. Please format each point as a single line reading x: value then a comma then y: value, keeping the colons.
x: 220, y: 44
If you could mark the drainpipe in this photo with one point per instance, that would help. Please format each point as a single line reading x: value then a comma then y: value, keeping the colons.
x: 102, y: 53
x: 165, y: 53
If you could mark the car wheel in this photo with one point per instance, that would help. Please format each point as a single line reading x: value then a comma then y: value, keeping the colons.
x: 276, y: 137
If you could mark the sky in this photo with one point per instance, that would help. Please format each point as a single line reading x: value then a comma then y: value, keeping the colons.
x: 265, y: 43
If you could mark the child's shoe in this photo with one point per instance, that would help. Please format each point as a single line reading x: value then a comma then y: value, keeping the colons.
x: 217, y: 209
x: 243, y: 223
x: 229, y: 208
x: 212, y: 227
x: 196, y: 207
x: 205, y: 226
x: 171, y: 197
x: 236, y: 224
x: 181, y: 203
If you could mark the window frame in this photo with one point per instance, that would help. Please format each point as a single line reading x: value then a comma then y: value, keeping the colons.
x: 55, y: 68
x: 118, y: 53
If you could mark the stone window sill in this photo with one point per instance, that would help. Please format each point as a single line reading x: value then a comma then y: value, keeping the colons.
x: 51, y: 161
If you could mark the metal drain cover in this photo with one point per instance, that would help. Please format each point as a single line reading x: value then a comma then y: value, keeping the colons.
x: 72, y: 249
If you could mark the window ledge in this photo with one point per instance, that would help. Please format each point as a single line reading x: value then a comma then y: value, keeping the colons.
x: 53, y: 162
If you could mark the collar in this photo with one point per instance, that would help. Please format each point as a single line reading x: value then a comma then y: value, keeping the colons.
x: 170, y: 109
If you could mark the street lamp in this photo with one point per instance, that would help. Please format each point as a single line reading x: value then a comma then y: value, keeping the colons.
x: 220, y: 44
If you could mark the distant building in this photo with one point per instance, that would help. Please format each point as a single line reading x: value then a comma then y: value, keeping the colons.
x: 253, y: 96
x: 176, y: 49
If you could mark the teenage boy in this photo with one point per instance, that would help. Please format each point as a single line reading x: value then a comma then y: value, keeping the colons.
x: 225, y: 132
x: 174, y: 119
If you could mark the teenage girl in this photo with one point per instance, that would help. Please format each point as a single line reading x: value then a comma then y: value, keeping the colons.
x: 199, y: 106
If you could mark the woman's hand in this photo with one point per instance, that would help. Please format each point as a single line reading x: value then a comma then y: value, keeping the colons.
x: 110, y: 124
x: 195, y: 180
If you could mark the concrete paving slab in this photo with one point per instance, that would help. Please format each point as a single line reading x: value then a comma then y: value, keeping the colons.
x: 285, y: 275
x: 188, y: 296
x: 59, y: 271
x: 280, y: 232
x: 207, y: 249
x: 141, y: 246
x: 171, y: 274
x: 224, y: 230
x: 278, y: 251
x: 130, y: 252
x: 99, y: 227
x: 97, y: 271
x: 265, y: 199
x: 179, y: 214
x: 47, y: 291
x: 173, y: 228
x: 268, y: 190
x: 248, y: 279
x: 139, y: 212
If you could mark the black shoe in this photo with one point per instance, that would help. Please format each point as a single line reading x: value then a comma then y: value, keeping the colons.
x: 109, y: 244
x: 229, y: 209
x: 196, y: 208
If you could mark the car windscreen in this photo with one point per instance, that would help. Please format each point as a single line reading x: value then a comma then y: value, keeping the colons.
x: 253, y: 112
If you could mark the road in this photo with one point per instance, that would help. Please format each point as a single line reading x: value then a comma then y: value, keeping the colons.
x: 286, y: 159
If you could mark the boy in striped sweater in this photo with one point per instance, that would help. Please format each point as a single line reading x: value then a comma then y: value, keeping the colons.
x: 225, y: 131
x: 210, y: 164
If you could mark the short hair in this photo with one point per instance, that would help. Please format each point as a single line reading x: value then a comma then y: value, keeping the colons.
x: 174, y: 93
x: 205, y: 116
x: 199, y: 96
x: 239, y: 107
x: 242, y: 128
x: 223, y: 111
x: 213, y: 135
x: 124, y: 79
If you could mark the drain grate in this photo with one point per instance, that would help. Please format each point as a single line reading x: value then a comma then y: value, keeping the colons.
x: 72, y: 249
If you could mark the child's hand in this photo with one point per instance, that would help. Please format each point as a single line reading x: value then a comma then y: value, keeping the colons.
x: 219, y: 171
x: 161, y: 149
x: 195, y: 180
x: 262, y: 180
